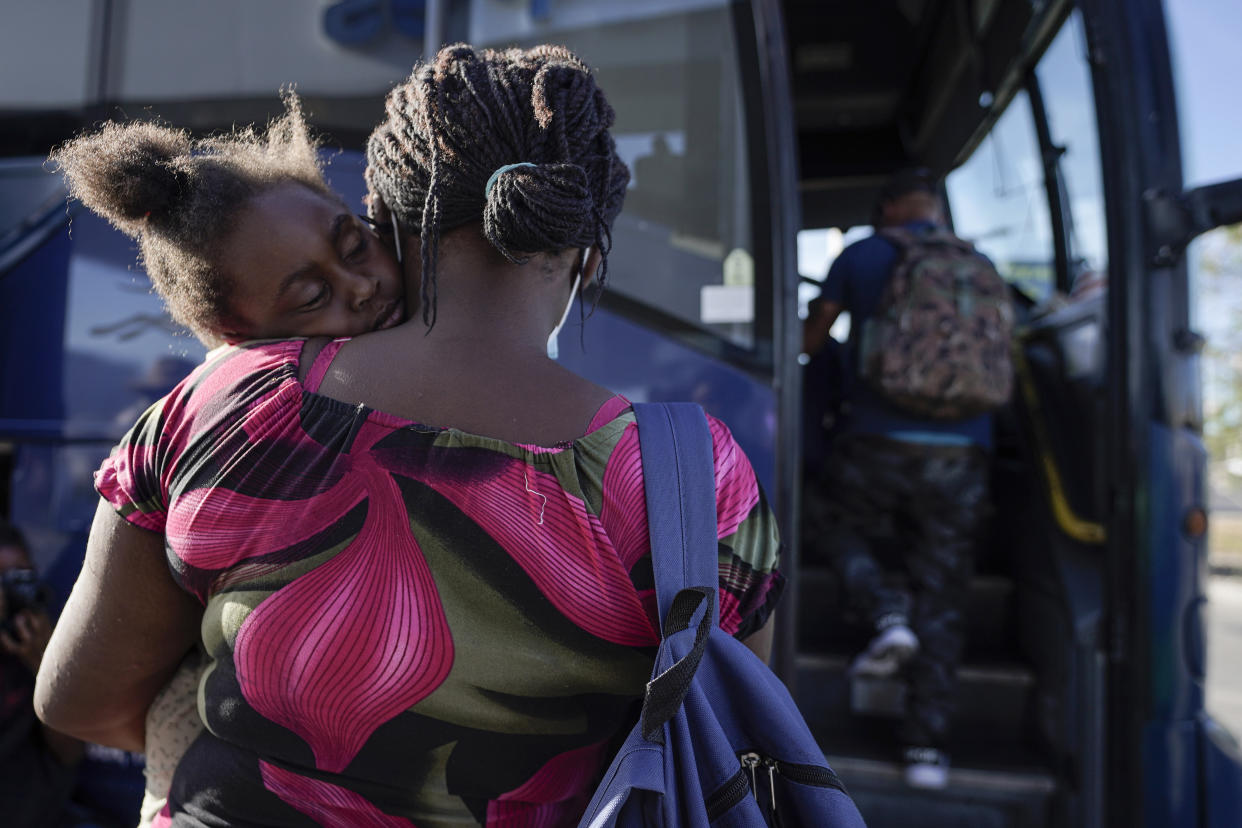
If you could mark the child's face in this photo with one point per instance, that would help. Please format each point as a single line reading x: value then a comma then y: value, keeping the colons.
x: 302, y: 265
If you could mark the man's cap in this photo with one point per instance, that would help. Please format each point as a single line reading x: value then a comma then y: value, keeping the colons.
x: 909, y: 180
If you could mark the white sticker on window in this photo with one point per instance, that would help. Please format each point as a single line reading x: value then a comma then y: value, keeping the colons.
x: 739, y: 268
x: 726, y: 303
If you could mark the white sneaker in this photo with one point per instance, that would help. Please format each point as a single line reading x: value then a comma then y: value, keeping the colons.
x: 926, y: 768
x: 885, y: 654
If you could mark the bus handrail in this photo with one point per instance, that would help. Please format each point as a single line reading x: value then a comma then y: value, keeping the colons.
x: 1067, y: 520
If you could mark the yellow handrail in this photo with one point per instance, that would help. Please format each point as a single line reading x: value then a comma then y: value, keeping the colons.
x: 1067, y: 520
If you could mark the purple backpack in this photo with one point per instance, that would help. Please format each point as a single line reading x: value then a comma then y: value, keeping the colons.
x: 719, y: 741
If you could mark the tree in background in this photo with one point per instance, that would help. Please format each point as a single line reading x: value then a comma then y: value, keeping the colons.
x: 1220, y: 303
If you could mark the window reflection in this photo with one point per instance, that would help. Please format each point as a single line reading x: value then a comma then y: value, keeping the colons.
x: 682, y: 245
x: 999, y: 202
x: 1065, y: 82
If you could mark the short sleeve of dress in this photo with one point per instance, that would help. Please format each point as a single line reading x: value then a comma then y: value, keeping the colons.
x: 202, y: 426
x: 749, y: 542
x: 130, y: 478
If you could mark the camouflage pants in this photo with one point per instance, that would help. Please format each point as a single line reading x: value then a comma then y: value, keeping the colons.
x: 927, y: 505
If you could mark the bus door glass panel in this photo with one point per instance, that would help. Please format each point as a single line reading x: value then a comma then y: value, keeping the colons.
x: 1207, y: 63
x: 998, y: 201
x: 682, y: 245
x: 1065, y: 81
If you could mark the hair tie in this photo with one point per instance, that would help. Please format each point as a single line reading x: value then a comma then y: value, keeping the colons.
x: 487, y: 189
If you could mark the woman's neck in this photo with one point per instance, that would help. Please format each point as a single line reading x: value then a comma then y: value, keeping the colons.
x: 483, y: 298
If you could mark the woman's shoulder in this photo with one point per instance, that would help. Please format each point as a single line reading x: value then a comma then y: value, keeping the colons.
x: 616, y: 427
x: 727, y: 452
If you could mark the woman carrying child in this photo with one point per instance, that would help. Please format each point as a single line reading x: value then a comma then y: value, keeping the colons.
x: 417, y: 559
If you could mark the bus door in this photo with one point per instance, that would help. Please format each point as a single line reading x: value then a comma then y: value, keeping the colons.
x: 1161, y: 741
x: 1023, y: 747
x: 1080, y: 697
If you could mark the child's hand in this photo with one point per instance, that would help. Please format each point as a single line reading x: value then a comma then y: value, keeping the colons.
x: 32, y: 631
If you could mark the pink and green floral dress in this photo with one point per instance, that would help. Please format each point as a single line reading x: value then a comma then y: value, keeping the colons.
x: 407, y: 625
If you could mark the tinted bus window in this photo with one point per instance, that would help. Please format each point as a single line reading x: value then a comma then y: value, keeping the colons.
x: 29, y: 193
x: 1065, y: 81
x: 1207, y: 63
x: 998, y: 201
x: 683, y: 242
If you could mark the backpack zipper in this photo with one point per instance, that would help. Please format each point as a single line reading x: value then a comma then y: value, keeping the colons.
x: 751, y: 761
x: 813, y: 775
x: 728, y: 795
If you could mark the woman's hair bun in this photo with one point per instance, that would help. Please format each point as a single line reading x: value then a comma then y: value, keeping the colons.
x: 128, y: 173
x: 537, y: 208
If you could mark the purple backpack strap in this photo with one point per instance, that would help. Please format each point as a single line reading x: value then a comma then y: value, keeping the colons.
x: 680, y: 484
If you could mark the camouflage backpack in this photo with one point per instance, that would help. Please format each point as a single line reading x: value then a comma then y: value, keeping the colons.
x: 938, y: 344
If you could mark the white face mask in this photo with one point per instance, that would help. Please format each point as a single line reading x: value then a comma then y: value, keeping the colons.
x: 553, y: 348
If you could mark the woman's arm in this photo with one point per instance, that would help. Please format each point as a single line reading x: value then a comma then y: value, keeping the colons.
x: 124, y: 630
x: 760, y: 643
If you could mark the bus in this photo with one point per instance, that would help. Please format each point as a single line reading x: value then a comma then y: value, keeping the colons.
x: 752, y: 128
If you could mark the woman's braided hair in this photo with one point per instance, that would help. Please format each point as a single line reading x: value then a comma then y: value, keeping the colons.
x: 180, y: 198
x: 463, y: 116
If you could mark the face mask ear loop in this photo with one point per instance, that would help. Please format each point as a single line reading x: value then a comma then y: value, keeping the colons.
x: 554, y: 349
x: 396, y: 236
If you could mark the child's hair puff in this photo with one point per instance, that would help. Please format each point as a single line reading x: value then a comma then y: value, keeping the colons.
x: 180, y: 197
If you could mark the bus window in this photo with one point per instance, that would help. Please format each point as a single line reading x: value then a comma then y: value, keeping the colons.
x: 29, y: 193
x: 1207, y: 64
x: 1065, y: 81
x: 682, y: 246
x: 998, y: 201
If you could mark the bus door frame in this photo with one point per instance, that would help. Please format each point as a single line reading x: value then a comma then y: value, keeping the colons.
x: 1059, y: 207
x: 1149, y: 750
x: 776, y: 218
x: 1092, y: 759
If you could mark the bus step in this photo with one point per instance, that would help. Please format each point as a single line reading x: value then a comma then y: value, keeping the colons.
x: 994, y: 701
x: 823, y: 624
x: 983, y: 792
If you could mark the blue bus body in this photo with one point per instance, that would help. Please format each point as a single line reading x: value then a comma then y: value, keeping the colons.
x: 1082, y: 694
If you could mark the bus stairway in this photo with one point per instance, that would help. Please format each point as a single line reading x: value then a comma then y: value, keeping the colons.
x: 997, y: 780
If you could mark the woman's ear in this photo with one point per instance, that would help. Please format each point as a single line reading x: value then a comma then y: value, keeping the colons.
x: 377, y: 209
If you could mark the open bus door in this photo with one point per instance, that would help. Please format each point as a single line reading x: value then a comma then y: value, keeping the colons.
x: 1080, y: 700
x: 1162, y: 742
